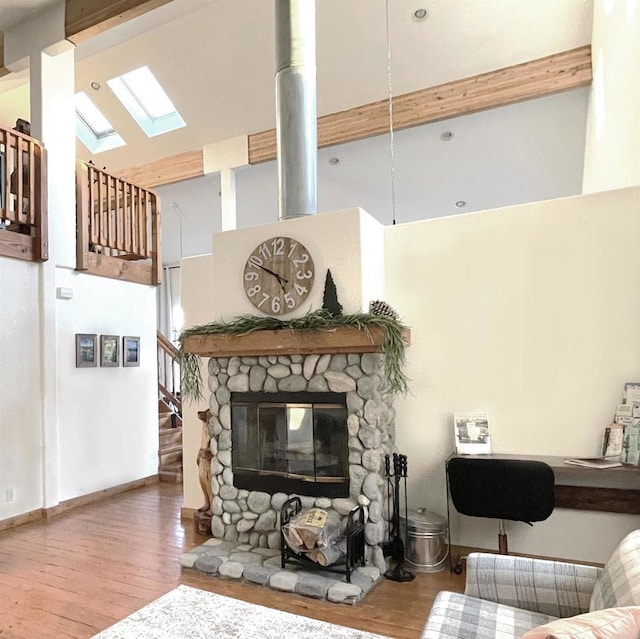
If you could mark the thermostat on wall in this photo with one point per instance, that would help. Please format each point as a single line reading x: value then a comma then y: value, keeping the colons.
x: 64, y: 293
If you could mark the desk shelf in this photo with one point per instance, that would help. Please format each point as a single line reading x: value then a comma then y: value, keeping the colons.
x: 614, y: 490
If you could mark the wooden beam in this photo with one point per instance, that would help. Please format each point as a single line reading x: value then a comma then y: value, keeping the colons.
x: 534, y: 79
x: 166, y: 170
x: 117, y: 269
x: 526, y: 81
x: 87, y: 18
x: 344, y: 339
x: 16, y: 245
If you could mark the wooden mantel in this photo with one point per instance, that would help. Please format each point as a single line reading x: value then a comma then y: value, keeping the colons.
x: 343, y: 339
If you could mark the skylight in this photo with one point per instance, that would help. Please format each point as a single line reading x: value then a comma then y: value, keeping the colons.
x: 146, y: 101
x: 92, y: 128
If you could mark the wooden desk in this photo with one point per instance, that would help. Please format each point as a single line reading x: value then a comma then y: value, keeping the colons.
x: 613, y: 490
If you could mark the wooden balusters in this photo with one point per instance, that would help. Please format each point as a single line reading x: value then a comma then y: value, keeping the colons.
x: 168, y: 372
x: 23, y: 197
x: 123, y: 229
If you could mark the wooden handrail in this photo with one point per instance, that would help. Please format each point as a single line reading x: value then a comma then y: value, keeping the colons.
x: 118, y: 227
x: 167, y: 345
x: 23, y: 197
x: 168, y: 372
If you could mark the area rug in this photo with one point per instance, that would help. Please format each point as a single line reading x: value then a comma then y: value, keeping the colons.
x: 190, y: 613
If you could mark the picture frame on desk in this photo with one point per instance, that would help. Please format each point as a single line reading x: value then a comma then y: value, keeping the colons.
x: 471, y: 433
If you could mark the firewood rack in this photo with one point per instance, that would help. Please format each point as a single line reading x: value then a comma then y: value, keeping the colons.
x: 354, y: 534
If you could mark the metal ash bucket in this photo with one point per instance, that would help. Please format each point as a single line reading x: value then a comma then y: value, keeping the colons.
x: 426, y: 547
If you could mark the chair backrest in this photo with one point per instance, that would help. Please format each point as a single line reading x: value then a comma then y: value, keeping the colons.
x: 511, y: 489
x: 619, y: 582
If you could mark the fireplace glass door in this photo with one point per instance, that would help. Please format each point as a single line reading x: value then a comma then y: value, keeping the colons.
x: 282, y: 442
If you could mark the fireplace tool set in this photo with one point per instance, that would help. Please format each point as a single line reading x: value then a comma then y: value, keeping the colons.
x: 394, y: 547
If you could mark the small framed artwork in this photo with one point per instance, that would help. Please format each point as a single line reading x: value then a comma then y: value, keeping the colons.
x: 130, y: 351
x: 109, y: 350
x: 86, y: 350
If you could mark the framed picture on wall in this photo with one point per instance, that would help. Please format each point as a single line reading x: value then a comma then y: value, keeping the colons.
x: 109, y: 350
x: 130, y: 351
x: 86, y: 350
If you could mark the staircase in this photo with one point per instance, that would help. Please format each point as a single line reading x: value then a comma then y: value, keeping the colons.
x: 169, y: 413
x: 170, y: 448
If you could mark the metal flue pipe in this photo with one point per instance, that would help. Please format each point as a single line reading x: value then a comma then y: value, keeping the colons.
x: 296, y: 112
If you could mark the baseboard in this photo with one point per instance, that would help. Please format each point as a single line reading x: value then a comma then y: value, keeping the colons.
x: 18, y: 520
x: 69, y: 504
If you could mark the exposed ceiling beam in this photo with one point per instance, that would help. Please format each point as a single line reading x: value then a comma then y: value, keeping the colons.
x: 166, y: 170
x: 87, y: 18
x: 534, y: 79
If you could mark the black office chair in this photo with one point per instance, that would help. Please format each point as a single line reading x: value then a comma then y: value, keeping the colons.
x: 512, y: 489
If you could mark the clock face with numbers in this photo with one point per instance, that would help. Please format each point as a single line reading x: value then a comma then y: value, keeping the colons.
x: 278, y: 275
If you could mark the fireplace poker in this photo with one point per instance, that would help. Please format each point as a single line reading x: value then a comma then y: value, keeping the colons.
x: 396, y: 545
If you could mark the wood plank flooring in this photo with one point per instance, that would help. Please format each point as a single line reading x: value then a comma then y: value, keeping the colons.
x: 76, y: 574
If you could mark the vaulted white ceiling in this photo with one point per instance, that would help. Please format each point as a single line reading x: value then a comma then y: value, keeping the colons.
x: 215, y: 58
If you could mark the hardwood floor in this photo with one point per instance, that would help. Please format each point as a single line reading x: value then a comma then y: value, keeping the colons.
x: 80, y: 572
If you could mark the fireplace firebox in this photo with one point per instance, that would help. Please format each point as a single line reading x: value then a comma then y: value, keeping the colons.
x: 290, y: 442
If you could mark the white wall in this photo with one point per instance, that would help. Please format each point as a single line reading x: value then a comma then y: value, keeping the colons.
x: 197, y: 303
x: 105, y: 419
x: 21, y: 397
x: 613, y: 124
x: 530, y: 313
x: 335, y: 241
x: 108, y: 417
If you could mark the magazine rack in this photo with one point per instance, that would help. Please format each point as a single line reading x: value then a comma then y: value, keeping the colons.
x: 354, y: 534
x: 513, y: 489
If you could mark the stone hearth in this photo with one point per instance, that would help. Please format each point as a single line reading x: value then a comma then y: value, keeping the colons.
x: 261, y: 566
x: 252, y: 517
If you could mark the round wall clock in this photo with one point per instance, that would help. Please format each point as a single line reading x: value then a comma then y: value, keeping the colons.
x: 278, y: 275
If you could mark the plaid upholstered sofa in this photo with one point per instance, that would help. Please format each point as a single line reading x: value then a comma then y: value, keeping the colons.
x: 508, y: 596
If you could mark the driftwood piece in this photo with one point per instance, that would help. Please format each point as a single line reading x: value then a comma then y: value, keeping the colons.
x: 204, y: 513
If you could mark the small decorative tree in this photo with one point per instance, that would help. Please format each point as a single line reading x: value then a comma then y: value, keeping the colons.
x: 330, y: 298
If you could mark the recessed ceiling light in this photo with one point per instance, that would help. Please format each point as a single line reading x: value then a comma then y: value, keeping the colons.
x: 460, y: 203
x: 95, y: 86
x: 445, y: 136
x: 420, y: 14
x: 334, y: 160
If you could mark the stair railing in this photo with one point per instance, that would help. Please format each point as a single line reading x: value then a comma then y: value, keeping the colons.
x: 118, y: 227
x: 168, y: 373
x: 23, y: 197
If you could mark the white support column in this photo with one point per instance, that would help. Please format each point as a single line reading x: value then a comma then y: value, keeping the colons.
x: 53, y: 122
x: 224, y: 156
x: 612, y: 145
x: 228, y: 202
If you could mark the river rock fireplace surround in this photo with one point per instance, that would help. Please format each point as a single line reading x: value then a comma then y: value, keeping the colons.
x: 344, y: 369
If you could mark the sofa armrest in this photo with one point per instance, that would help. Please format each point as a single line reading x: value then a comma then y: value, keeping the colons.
x: 550, y: 587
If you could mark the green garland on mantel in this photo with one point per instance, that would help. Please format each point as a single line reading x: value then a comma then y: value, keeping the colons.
x: 320, y: 320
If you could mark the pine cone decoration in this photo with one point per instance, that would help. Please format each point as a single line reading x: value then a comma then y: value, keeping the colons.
x: 378, y: 307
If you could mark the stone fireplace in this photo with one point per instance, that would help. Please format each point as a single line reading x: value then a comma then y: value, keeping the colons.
x: 351, y: 414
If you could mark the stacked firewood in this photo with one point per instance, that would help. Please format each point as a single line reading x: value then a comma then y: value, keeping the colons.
x: 317, y: 534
